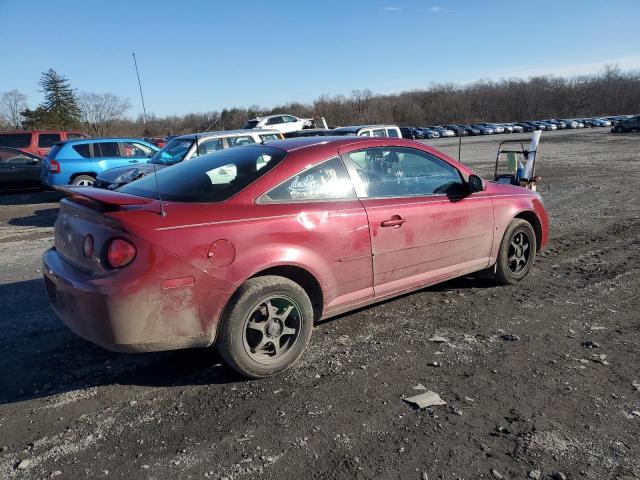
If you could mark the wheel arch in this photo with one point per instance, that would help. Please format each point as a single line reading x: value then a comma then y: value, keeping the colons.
x: 532, y: 218
x: 302, y: 277
x: 77, y: 174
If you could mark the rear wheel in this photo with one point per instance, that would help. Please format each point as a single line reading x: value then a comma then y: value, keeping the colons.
x: 83, y: 181
x: 517, y: 252
x: 619, y: 129
x: 267, y: 326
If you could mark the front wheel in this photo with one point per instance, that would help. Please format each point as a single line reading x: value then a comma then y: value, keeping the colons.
x: 619, y: 129
x: 267, y: 326
x: 517, y: 252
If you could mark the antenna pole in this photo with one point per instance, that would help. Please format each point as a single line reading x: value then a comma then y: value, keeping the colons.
x: 144, y: 110
x: 155, y: 174
x: 459, y: 146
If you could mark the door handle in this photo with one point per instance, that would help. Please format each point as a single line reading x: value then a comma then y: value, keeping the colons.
x: 395, y: 221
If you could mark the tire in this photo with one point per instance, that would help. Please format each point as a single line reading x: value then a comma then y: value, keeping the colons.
x: 83, y: 181
x: 254, y: 322
x: 619, y: 129
x: 513, y: 266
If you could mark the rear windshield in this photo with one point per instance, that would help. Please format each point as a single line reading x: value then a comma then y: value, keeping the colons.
x: 251, y: 124
x: 208, y: 178
x: 15, y: 140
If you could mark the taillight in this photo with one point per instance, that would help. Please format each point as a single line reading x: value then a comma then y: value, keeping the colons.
x: 120, y: 253
x: 87, y: 246
x: 54, y: 166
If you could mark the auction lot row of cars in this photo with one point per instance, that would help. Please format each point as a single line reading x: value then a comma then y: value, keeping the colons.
x: 72, y: 158
x: 267, y: 238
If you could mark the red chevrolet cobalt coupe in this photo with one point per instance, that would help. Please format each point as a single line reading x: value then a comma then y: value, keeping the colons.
x: 247, y: 247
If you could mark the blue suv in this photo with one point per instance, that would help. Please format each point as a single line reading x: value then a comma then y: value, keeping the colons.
x: 78, y: 162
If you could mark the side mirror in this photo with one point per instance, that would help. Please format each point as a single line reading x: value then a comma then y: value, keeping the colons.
x: 475, y: 183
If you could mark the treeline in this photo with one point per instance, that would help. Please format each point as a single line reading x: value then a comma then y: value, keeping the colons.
x: 609, y: 92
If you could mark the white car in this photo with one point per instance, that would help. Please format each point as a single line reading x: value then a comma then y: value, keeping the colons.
x: 369, y: 131
x: 281, y: 123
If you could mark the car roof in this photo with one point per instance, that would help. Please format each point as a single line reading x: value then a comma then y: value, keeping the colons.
x: 356, y: 128
x: 41, y: 131
x: 101, y: 139
x: 226, y: 133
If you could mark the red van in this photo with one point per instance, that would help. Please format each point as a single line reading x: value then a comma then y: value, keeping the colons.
x: 38, y: 142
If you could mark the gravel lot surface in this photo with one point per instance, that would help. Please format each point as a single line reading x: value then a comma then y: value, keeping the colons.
x: 540, y: 378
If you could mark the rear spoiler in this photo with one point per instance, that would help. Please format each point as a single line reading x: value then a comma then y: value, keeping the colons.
x: 102, y: 199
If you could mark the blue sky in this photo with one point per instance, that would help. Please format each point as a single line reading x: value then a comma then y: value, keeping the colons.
x: 197, y: 56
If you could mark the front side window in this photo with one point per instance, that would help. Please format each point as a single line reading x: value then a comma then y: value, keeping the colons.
x: 397, y: 172
x: 379, y: 132
x: 211, y: 178
x: 365, y: 133
x: 289, y: 119
x: 46, y: 140
x: 137, y: 150
x: 392, y: 132
x: 326, y: 181
x: 274, y: 120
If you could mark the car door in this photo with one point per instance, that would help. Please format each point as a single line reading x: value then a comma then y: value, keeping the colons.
x: 424, y: 225
x: 19, y: 168
x: 134, y: 152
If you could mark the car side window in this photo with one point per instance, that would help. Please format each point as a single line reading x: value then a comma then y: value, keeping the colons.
x: 131, y: 149
x: 365, y: 133
x: 75, y: 135
x: 46, y: 140
x: 106, y: 149
x: 399, y: 172
x: 237, y: 141
x: 83, y: 150
x: 209, y: 146
x: 288, y: 119
x: 326, y: 181
x: 378, y: 132
x: 19, y: 159
x: 392, y: 132
x: 267, y: 137
x: 274, y: 121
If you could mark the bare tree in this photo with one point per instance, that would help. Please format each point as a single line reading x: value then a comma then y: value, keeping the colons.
x: 12, y: 104
x: 100, y: 112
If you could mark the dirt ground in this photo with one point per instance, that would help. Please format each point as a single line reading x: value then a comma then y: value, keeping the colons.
x: 523, y: 391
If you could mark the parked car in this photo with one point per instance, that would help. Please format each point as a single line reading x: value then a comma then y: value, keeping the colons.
x: 19, y: 169
x: 459, y: 130
x: 37, y: 142
x: 528, y: 127
x: 629, y: 125
x: 78, y: 162
x: 572, y: 124
x: 183, y: 148
x: 514, y: 128
x: 484, y: 130
x: 444, y: 132
x: 309, y: 132
x: 410, y: 133
x: 429, y: 133
x: 471, y: 130
x: 496, y: 128
x: 281, y: 123
x: 604, y: 122
x: 250, y: 246
x: 369, y: 131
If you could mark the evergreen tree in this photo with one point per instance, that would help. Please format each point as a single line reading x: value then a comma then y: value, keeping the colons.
x: 59, y: 109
